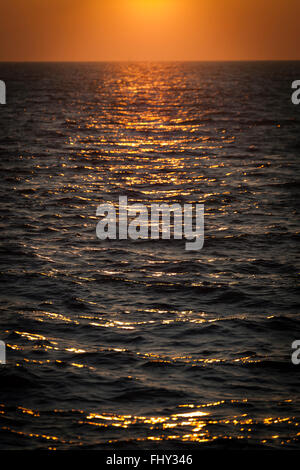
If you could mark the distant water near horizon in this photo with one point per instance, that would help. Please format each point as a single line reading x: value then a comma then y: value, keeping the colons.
x: 142, y: 344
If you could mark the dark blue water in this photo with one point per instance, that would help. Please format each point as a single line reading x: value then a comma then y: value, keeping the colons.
x: 142, y: 344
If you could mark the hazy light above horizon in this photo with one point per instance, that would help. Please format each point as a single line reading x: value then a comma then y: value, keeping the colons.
x: 91, y: 30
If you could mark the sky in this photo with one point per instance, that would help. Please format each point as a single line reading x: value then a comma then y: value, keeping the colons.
x: 144, y: 30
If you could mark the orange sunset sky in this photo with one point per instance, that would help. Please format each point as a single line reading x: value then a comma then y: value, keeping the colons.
x: 102, y: 30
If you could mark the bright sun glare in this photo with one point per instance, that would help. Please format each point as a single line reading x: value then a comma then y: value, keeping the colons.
x: 152, y: 7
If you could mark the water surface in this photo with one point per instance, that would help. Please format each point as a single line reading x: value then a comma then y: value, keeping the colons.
x: 144, y: 345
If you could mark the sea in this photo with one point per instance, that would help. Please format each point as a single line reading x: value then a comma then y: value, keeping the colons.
x: 142, y: 344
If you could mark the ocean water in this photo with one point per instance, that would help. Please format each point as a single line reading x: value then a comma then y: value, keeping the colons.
x: 142, y: 344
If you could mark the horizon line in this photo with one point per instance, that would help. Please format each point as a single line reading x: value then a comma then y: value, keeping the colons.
x: 145, y: 60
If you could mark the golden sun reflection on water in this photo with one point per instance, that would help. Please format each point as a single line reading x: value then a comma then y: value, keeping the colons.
x: 194, y: 426
x: 155, y: 138
x: 190, y: 426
